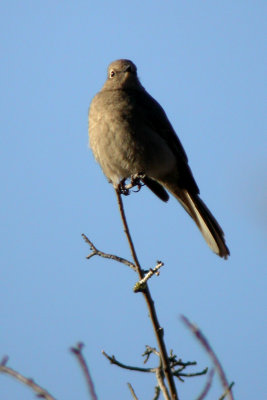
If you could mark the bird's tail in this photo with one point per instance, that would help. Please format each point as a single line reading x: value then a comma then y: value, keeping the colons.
x: 207, y: 224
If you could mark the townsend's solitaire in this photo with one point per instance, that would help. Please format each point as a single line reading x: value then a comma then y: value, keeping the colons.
x: 130, y: 134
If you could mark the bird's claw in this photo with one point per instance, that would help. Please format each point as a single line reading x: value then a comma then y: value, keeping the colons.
x: 136, y: 180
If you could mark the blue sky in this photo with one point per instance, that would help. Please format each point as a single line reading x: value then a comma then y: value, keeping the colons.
x: 204, y: 62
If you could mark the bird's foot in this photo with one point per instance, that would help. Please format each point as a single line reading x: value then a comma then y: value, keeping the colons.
x: 136, y: 180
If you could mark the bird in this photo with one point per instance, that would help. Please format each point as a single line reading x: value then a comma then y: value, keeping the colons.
x: 131, y: 135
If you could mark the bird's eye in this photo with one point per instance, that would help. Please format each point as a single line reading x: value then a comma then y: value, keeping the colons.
x: 112, y: 73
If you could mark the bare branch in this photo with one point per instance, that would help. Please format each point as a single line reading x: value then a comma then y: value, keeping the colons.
x: 77, y: 351
x: 40, y: 392
x: 96, y: 252
x: 199, y: 335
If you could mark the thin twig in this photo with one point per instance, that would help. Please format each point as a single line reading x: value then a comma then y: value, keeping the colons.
x: 223, y: 396
x: 132, y: 391
x: 147, y: 353
x: 189, y: 375
x: 113, y: 360
x: 207, y: 386
x: 96, y: 252
x: 150, y: 304
x: 157, y: 393
x: 40, y: 392
x: 199, y: 335
x: 182, y: 364
x: 77, y: 351
x: 128, y: 236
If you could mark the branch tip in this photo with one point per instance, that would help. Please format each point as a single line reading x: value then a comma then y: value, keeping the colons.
x: 4, y: 360
x: 141, y: 285
x: 77, y: 351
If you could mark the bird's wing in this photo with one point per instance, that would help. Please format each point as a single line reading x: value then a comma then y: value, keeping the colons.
x: 157, y: 120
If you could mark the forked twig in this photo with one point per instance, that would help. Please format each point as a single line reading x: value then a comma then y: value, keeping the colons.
x: 96, y: 252
x: 157, y: 371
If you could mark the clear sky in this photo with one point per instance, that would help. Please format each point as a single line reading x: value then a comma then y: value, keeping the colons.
x: 204, y: 62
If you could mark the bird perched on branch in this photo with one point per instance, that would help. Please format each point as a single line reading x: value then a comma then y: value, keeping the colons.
x: 131, y: 136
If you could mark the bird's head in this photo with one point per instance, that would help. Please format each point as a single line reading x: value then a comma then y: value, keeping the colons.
x: 122, y: 74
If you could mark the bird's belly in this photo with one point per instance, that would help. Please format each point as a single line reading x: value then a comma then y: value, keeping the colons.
x: 123, y: 151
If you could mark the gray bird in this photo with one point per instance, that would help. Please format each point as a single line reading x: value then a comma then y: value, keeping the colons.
x: 130, y: 134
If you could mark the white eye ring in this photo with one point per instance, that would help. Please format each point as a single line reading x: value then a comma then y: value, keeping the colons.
x: 112, y: 73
